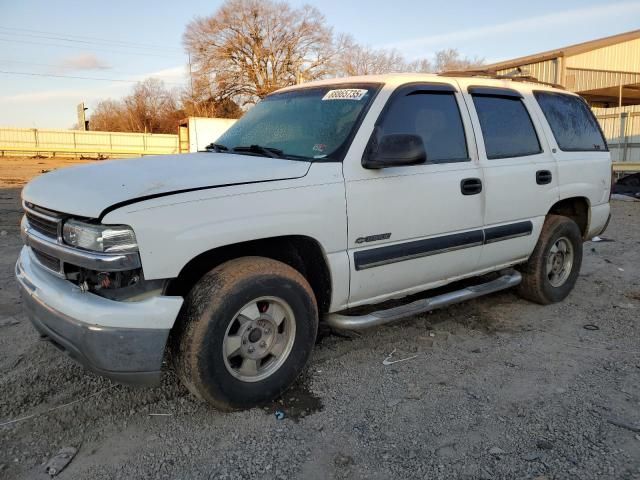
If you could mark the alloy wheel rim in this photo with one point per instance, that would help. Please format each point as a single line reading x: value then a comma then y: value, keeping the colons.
x: 259, y: 339
x: 560, y: 262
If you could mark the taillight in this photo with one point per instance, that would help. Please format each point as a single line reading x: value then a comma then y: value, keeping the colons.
x: 612, y: 182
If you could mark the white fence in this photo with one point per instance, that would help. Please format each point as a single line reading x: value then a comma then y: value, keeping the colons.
x: 621, y: 127
x: 29, y: 141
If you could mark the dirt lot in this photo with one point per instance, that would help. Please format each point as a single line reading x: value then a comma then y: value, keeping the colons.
x: 498, y: 388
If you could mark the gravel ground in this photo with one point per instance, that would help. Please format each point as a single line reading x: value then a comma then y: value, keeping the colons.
x: 498, y: 388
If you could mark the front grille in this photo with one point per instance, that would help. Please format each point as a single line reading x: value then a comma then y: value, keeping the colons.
x: 42, y: 220
x: 46, y: 227
x: 47, y: 261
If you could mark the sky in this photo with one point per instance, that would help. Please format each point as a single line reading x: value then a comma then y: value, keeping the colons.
x: 110, y: 45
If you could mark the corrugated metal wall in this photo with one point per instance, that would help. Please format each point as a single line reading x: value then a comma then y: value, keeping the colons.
x: 579, y: 80
x: 622, y: 57
x: 621, y: 127
x: 544, y: 71
x: 76, y: 142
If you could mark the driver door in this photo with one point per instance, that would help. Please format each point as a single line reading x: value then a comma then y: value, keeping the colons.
x: 413, y: 227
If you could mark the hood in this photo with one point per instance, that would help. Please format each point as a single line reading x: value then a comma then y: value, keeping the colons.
x: 87, y: 190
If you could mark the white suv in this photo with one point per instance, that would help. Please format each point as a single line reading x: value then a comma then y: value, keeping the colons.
x: 323, y: 197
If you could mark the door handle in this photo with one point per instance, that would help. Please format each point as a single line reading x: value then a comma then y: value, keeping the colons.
x: 543, y: 177
x: 471, y: 186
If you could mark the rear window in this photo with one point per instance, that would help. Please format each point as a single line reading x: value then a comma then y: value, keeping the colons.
x: 506, y: 127
x: 571, y: 121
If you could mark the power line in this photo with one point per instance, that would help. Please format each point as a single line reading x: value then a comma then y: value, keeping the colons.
x: 4, y: 60
x: 34, y: 74
x: 52, y: 65
x: 73, y: 40
x: 48, y: 44
x: 85, y: 39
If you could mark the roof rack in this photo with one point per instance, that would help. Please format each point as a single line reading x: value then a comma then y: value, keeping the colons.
x: 516, y: 76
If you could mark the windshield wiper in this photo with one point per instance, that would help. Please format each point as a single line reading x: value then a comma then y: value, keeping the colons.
x: 259, y: 149
x: 216, y: 147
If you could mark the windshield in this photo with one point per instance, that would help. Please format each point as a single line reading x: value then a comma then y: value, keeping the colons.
x: 309, y: 123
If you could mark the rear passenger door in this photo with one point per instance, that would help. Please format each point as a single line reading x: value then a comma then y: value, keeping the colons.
x: 411, y: 226
x: 521, y: 178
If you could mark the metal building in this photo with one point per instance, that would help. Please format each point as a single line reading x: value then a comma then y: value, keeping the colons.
x: 606, y: 72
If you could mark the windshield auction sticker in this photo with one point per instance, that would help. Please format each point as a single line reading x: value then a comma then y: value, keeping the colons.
x: 345, y: 94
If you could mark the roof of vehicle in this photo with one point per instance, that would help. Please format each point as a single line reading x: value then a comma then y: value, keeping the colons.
x: 463, y: 79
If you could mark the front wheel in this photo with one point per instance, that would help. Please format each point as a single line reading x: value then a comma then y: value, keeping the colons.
x: 248, y: 328
x: 552, y: 270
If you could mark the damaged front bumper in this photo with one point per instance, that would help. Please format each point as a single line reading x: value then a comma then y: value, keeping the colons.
x: 124, y: 341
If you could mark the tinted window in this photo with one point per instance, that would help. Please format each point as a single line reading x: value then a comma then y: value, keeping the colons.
x: 506, y: 127
x: 435, y: 117
x: 571, y: 122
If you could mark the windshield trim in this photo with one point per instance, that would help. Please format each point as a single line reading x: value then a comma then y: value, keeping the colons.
x: 339, y: 153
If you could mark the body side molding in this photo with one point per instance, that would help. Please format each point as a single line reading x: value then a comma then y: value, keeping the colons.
x: 401, y: 252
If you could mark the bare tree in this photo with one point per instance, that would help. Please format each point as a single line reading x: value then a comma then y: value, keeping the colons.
x: 152, y: 108
x: 354, y: 59
x: 249, y: 48
x: 422, y: 65
x: 199, y: 100
x: 450, y: 59
x: 149, y: 108
x: 108, y: 116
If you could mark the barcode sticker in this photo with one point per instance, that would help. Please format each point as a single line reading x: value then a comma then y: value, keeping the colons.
x: 345, y: 94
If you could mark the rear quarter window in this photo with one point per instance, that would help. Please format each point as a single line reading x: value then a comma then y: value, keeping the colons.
x: 572, y: 122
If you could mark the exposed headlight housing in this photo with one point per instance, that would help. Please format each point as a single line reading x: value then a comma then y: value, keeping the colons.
x: 99, y: 238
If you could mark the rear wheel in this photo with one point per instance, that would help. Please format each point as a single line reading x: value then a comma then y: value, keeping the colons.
x: 248, y: 327
x: 552, y: 270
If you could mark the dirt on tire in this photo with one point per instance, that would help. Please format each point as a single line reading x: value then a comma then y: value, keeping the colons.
x: 213, y: 289
x: 534, y: 285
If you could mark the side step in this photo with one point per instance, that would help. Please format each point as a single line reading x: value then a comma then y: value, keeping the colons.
x: 509, y: 279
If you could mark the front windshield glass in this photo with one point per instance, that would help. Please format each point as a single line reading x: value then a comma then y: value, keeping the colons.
x: 309, y: 123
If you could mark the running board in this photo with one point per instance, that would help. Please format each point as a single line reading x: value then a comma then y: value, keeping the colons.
x: 360, y: 322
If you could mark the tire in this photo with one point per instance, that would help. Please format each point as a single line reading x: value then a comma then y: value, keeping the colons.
x: 546, y: 277
x: 231, y: 351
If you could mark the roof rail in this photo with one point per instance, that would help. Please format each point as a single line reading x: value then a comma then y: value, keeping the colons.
x: 516, y: 76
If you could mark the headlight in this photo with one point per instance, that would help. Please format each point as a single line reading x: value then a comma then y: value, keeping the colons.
x: 99, y: 238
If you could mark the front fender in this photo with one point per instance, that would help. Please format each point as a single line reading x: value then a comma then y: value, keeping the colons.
x: 173, y: 230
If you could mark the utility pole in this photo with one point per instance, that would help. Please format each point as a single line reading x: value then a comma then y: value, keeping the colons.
x: 621, y: 128
x: 191, y: 78
x: 83, y: 123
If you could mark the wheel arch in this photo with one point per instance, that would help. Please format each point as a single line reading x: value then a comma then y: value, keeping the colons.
x: 303, y: 253
x: 576, y: 208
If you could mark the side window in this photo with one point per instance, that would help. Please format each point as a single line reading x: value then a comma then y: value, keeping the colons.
x: 434, y: 116
x: 571, y: 122
x: 506, y: 126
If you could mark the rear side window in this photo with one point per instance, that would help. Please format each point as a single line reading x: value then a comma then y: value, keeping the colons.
x: 506, y: 126
x: 435, y: 117
x: 571, y: 122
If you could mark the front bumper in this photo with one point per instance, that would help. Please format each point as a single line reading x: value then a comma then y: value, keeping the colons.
x: 124, y: 341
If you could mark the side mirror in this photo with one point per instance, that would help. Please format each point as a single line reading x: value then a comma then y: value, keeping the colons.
x: 394, y: 151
